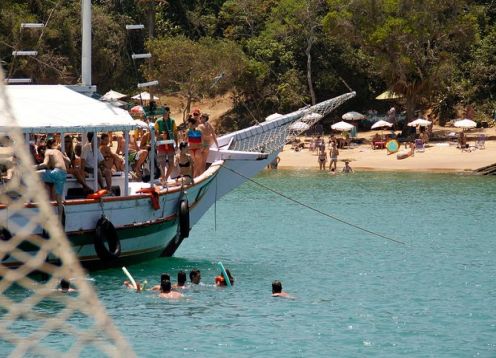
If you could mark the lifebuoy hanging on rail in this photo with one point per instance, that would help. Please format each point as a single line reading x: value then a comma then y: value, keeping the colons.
x: 98, y: 194
x: 5, y: 235
x: 183, y: 219
x: 154, y: 198
x: 106, y: 232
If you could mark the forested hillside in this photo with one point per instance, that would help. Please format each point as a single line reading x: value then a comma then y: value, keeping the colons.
x: 272, y: 55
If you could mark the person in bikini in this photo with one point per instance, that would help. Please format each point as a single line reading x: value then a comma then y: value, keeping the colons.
x: 195, y: 144
x: 184, y: 164
x: 208, y: 139
x: 334, y: 152
x: 322, y: 159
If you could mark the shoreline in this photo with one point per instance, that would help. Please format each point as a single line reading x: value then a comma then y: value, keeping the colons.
x: 437, y: 158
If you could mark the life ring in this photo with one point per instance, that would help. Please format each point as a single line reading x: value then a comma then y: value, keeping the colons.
x: 183, y: 219
x: 97, y: 195
x: 154, y: 198
x: 105, y: 231
x: 5, y: 235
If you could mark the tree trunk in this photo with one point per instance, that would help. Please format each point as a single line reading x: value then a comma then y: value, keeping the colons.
x: 308, y: 51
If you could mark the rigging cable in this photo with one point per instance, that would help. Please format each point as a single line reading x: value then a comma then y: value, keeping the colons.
x: 314, y: 209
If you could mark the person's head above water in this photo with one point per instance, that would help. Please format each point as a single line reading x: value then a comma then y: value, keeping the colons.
x: 276, y: 286
x: 164, y: 277
x: 165, y: 286
x: 181, y: 278
x: 220, y: 281
x: 195, y: 276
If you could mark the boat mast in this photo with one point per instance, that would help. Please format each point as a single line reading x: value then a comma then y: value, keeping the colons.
x: 86, y: 42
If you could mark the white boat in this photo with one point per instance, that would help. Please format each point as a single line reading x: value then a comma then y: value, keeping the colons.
x: 141, y: 228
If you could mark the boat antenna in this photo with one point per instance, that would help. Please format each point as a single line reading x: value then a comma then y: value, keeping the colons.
x: 314, y: 209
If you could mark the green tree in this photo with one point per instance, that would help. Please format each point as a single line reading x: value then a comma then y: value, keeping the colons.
x: 413, y: 46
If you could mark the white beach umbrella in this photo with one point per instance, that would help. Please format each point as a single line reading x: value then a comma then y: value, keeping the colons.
x: 273, y: 117
x: 141, y: 123
x: 353, y: 116
x: 112, y: 96
x: 299, y: 126
x: 381, y: 124
x: 342, y: 126
x: 145, y: 96
x: 419, y: 122
x: 465, y: 123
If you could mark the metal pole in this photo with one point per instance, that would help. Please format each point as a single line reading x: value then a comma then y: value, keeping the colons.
x: 86, y: 42
x: 126, y: 163
x: 62, y: 142
x: 152, y: 154
x: 95, y: 160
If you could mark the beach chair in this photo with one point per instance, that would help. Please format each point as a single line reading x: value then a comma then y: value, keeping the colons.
x: 481, y: 142
x: 419, y: 145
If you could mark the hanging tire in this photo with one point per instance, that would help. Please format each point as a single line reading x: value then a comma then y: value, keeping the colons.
x: 106, y: 232
x: 5, y: 235
x: 183, y: 219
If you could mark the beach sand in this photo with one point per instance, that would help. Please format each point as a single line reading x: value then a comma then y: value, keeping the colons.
x: 437, y: 157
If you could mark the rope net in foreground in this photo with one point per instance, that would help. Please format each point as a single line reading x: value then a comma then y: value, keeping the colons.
x: 36, y: 319
x: 271, y: 135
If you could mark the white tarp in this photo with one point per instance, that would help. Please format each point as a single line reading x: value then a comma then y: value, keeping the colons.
x: 145, y: 96
x: 56, y: 108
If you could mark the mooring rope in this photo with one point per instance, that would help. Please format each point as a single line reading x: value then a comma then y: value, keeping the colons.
x: 314, y: 209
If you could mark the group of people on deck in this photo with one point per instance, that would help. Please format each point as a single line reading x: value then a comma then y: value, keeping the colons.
x: 180, y: 154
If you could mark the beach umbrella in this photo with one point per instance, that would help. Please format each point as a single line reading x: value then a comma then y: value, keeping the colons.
x: 145, y: 96
x: 419, y: 122
x: 342, y: 126
x: 137, y: 110
x: 387, y: 95
x: 465, y: 123
x: 112, y: 96
x: 353, y: 116
x: 299, y: 126
x: 141, y: 123
x: 273, y: 117
x: 381, y: 124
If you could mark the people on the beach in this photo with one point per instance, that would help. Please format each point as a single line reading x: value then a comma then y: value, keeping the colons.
x: 166, y: 292
x: 322, y: 159
x: 334, y: 152
x: 347, y: 168
x: 277, y: 290
x: 220, y: 281
x: 275, y: 163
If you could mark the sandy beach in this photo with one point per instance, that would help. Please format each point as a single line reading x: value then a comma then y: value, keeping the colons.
x: 437, y: 157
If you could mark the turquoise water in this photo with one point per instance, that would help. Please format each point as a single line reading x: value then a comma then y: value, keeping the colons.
x: 356, y: 294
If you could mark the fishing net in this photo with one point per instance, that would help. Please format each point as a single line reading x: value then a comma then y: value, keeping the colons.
x: 37, y: 319
x: 271, y: 135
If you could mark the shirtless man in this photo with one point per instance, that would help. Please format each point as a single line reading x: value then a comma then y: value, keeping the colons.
x: 165, y: 291
x: 163, y: 277
x: 277, y: 290
x: 55, y: 171
x: 195, y: 276
x: 181, y: 280
x: 208, y: 138
x: 334, y: 152
x: 110, y: 159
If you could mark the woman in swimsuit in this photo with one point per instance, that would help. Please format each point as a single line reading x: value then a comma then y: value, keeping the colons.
x: 208, y: 139
x: 195, y: 144
x: 322, y: 159
x: 184, y: 164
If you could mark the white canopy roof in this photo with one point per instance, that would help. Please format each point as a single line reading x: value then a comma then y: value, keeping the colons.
x: 56, y: 108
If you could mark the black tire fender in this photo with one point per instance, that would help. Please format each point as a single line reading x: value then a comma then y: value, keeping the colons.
x: 106, y: 232
x: 183, y: 219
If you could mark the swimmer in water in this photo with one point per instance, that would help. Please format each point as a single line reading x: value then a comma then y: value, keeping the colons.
x: 65, y: 286
x: 347, y: 168
x: 163, y: 277
x: 165, y: 291
x: 195, y: 276
x: 277, y: 290
x: 221, y: 282
x: 181, y: 280
x: 129, y: 284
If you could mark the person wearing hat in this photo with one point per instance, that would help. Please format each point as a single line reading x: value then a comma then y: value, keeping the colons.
x: 166, y: 132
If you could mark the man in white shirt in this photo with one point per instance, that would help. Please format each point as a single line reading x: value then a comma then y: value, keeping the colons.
x: 88, y: 160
